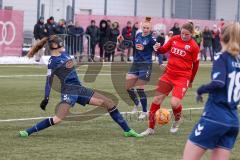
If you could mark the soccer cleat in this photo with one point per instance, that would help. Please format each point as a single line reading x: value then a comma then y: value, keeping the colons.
x: 143, y: 115
x: 23, y: 134
x: 175, y: 126
x: 148, y: 132
x: 132, y: 133
x: 135, y: 109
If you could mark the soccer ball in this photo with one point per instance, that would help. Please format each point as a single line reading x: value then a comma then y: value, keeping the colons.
x: 162, y: 116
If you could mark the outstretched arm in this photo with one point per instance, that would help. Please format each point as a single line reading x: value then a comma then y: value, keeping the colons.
x: 218, y: 79
x: 208, y: 88
x: 47, y: 87
x: 165, y: 48
x: 48, y: 84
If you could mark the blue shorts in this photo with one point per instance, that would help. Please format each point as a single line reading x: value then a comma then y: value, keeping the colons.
x: 209, y: 134
x: 83, y: 97
x: 141, y: 70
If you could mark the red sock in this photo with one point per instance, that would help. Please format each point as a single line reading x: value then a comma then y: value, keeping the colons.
x: 151, y: 118
x: 177, y: 112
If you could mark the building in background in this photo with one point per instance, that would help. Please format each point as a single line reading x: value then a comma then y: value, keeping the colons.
x: 189, y: 9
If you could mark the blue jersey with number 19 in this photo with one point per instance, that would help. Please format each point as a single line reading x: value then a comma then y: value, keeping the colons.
x: 222, y: 102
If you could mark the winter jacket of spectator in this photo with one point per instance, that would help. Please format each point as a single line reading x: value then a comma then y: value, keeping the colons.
x: 69, y: 39
x: 207, y: 38
x: 60, y: 29
x: 114, y: 34
x: 51, y: 28
x: 176, y: 31
x: 127, y: 33
x: 104, y: 33
x: 160, y: 39
x: 77, y: 30
x: 94, y: 33
x: 134, y: 31
x: 216, y: 40
x: 39, y: 30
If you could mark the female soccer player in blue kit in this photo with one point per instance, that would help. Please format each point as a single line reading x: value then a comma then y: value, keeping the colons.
x: 218, y: 126
x: 61, y: 65
x: 140, y: 71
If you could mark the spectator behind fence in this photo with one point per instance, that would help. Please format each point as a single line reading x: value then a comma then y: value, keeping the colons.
x: 94, y: 33
x: 104, y: 37
x: 61, y: 27
x: 176, y: 29
x: 39, y: 32
x: 216, y: 45
x: 69, y: 37
x: 51, y: 30
x: 77, y: 40
x: 197, y: 36
x: 207, y: 43
x: 51, y: 26
x: 113, y: 38
x: 109, y: 23
x: 127, y: 35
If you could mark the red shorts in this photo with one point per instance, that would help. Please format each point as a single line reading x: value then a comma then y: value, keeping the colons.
x: 177, y: 84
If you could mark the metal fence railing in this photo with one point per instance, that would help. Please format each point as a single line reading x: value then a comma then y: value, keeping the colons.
x: 77, y: 45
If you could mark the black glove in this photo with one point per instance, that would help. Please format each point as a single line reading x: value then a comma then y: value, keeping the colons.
x: 44, y: 103
x: 199, y: 98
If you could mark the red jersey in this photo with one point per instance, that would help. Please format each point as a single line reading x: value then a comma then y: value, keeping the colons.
x: 182, y: 56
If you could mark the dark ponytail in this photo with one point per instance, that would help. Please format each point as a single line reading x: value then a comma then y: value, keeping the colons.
x: 39, y: 45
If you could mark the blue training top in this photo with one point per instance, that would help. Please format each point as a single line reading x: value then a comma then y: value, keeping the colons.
x: 224, y: 90
x: 144, y: 55
x: 61, y: 66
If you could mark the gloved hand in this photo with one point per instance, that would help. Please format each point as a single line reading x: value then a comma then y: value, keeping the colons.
x: 44, y: 103
x: 199, y: 98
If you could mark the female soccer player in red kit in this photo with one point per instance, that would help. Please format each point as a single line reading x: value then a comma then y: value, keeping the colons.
x: 180, y: 71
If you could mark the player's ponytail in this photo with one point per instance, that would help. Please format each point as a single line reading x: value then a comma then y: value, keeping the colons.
x: 39, y: 45
x: 230, y: 39
x: 148, y: 19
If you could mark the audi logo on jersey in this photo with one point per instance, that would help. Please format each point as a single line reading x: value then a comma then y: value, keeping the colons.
x: 5, y: 36
x: 179, y: 52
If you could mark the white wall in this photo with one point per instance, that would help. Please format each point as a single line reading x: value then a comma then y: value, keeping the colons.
x: 97, y: 6
x: 52, y: 8
x: 120, y: 7
x: 56, y: 9
x: 226, y: 9
x: 30, y: 10
x: 168, y: 9
x: 149, y: 8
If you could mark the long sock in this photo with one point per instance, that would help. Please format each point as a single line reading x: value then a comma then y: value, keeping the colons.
x: 41, y: 125
x: 117, y: 117
x: 151, y: 118
x: 133, y: 96
x: 177, y: 112
x: 143, y: 99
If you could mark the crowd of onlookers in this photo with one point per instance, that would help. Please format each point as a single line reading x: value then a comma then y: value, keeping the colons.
x: 108, y: 37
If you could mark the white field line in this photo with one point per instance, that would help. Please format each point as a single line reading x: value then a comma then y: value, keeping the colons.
x: 38, y: 118
x: 44, y: 75
x: 105, y: 64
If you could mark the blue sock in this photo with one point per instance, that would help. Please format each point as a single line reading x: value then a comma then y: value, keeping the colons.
x: 40, y: 126
x: 133, y: 96
x: 143, y: 99
x: 117, y: 117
